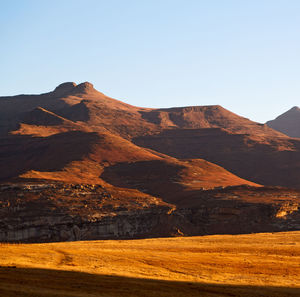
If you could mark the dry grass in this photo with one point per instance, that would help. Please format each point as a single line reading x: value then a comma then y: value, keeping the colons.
x: 220, y: 265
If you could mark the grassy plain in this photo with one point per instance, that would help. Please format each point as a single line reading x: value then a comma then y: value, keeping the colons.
x: 220, y: 265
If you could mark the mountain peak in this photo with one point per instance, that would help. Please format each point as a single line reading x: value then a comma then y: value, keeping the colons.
x: 71, y: 87
x: 295, y: 108
x: 85, y: 87
x: 294, y: 111
x: 65, y: 87
x: 288, y: 122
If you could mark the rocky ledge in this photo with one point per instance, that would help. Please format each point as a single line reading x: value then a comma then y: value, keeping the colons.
x: 49, y: 212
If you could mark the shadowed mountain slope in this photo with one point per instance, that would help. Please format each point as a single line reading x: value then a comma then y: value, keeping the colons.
x: 287, y: 123
x: 265, y: 160
x: 171, y: 179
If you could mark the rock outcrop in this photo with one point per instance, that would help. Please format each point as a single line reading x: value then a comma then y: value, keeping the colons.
x: 63, y: 212
x: 64, y: 88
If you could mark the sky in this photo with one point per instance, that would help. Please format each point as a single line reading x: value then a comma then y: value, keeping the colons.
x: 241, y: 54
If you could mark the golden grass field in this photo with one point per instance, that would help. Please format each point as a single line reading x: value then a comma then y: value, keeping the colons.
x: 221, y: 265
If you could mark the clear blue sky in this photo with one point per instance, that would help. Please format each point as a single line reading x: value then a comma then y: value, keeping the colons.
x: 241, y: 54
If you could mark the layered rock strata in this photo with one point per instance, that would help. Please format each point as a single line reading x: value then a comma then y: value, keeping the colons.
x: 65, y: 212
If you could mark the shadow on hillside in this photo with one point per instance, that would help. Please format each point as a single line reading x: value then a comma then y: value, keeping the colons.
x: 267, y: 161
x: 23, y: 282
x: 155, y: 177
x: 22, y: 153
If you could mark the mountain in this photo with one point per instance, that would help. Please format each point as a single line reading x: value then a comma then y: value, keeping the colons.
x: 73, y: 113
x: 288, y: 122
x: 77, y: 164
x: 77, y: 134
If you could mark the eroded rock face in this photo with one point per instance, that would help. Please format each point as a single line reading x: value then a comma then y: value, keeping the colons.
x: 65, y: 212
x: 85, y: 87
x: 49, y: 229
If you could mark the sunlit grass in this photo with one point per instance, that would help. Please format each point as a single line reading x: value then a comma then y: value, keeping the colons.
x: 255, y: 259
